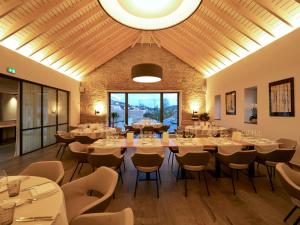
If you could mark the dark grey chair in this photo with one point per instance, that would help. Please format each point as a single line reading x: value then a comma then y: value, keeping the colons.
x: 79, y: 152
x: 85, y: 139
x: 63, y: 141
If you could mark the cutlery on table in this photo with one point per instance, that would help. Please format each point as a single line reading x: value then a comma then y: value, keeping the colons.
x: 34, y: 218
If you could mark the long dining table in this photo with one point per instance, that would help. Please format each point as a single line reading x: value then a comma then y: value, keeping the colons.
x: 210, y: 144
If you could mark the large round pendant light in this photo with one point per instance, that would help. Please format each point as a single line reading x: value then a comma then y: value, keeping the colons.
x: 146, y: 73
x: 150, y: 14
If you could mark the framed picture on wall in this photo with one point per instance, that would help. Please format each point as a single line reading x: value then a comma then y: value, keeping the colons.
x: 281, y: 98
x: 230, y: 103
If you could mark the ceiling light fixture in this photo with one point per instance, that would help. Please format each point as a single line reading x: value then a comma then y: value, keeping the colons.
x: 146, y: 73
x: 150, y: 14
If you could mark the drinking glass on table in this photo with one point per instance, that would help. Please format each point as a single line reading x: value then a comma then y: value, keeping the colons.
x: 7, y: 211
x: 3, y: 180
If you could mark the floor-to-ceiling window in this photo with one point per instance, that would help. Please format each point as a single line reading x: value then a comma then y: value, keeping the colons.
x: 134, y: 107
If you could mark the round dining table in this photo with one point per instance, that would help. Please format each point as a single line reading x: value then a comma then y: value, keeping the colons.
x: 93, y: 133
x: 48, y: 200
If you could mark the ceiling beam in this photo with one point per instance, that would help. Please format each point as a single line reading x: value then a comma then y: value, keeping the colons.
x: 24, y: 21
x: 53, y: 22
x: 275, y: 11
x: 249, y: 15
x: 8, y: 6
x: 229, y: 20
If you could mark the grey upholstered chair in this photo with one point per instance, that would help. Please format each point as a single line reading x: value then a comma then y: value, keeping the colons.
x: 290, y: 180
x: 79, y: 152
x: 52, y: 170
x: 125, y: 217
x: 270, y: 159
x: 102, y: 182
x: 287, y: 143
x: 109, y: 160
x: 147, y: 163
x: 193, y: 162
x: 85, y: 139
x: 63, y: 139
x: 236, y: 161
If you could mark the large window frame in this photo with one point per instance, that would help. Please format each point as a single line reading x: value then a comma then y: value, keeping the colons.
x: 161, y: 93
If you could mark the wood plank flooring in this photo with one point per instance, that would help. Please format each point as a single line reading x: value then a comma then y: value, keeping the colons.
x: 172, y: 208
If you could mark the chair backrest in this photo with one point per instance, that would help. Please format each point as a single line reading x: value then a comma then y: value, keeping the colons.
x: 148, y: 129
x: 280, y: 155
x: 243, y: 157
x: 187, y: 149
x: 290, y: 180
x: 125, y: 217
x: 194, y: 158
x: 63, y: 133
x: 108, y: 160
x: 229, y: 149
x: 150, y: 150
x: 63, y: 139
x: 147, y: 160
x: 79, y: 151
x: 84, y: 139
x: 287, y: 143
x: 52, y: 170
x: 118, y: 130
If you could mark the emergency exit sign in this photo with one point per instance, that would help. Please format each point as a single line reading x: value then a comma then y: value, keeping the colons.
x: 11, y: 70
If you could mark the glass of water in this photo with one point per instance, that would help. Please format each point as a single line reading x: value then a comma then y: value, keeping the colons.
x: 3, y: 180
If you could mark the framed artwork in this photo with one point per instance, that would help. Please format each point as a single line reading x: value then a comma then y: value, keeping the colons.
x: 230, y: 103
x: 281, y: 98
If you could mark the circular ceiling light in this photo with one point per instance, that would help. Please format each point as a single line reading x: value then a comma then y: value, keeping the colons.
x: 150, y: 14
x: 146, y: 73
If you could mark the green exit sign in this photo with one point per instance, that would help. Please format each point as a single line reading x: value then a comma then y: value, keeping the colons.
x: 11, y: 70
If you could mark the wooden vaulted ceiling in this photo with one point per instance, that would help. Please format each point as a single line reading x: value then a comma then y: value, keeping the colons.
x: 76, y: 36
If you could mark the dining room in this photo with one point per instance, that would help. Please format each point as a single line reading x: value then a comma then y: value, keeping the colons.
x: 153, y: 112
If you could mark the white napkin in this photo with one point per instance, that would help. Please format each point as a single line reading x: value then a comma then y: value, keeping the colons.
x: 18, y: 201
x: 43, y: 190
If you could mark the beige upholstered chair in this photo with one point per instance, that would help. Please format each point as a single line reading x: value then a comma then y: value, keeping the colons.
x: 237, y: 161
x: 102, y: 182
x: 63, y: 139
x: 79, y: 152
x: 290, y: 180
x: 195, y: 161
x: 147, y: 163
x: 112, y: 161
x: 151, y: 150
x: 270, y: 159
x: 52, y: 170
x: 125, y: 217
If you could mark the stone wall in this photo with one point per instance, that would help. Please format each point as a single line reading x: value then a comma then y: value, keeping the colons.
x: 115, y: 75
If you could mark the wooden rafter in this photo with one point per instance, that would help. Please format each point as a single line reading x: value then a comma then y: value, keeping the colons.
x: 9, y: 6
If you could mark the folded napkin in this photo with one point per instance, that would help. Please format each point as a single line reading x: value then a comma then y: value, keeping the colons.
x: 18, y: 201
x: 43, y: 190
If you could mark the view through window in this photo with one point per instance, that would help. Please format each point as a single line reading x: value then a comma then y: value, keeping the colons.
x: 129, y: 108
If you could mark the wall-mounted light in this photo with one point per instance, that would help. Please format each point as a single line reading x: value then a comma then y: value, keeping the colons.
x: 99, y: 108
x: 53, y: 110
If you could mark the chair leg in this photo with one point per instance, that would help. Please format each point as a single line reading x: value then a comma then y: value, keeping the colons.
x: 290, y: 213
x: 157, y: 188
x: 270, y: 177
x: 297, y: 221
x: 136, y: 182
x: 74, y: 171
x: 252, y: 183
x: 159, y: 176
x: 58, y: 151
x: 204, y: 175
x: 63, y: 152
x: 80, y: 168
x: 232, y: 180
x: 120, y: 173
x: 185, y: 183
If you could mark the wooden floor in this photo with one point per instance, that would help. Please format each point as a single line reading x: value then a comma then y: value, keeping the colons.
x: 172, y: 208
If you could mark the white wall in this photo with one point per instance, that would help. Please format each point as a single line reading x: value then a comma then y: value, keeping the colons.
x: 277, y: 61
x: 32, y: 71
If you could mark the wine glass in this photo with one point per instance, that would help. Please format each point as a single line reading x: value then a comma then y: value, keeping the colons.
x: 3, y: 180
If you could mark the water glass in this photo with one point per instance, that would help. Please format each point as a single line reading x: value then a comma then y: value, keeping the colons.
x: 13, y: 188
x: 7, y: 211
x: 3, y: 180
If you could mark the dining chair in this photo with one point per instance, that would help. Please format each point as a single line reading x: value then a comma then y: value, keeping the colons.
x: 124, y: 217
x: 110, y: 160
x: 83, y: 139
x: 148, y: 130
x: 162, y: 129
x: 290, y: 180
x: 237, y: 161
x: 79, y: 152
x: 63, y: 140
x: 287, y: 143
x: 147, y: 163
x: 52, y: 170
x: 270, y: 159
x: 195, y: 161
x: 90, y: 194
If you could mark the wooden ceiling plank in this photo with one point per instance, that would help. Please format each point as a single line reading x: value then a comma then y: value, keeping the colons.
x: 275, y: 11
x: 220, y: 29
x: 8, y: 6
x: 55, y: 36
x: 232, y: 22
x: 54, y: 22
x: 249, y: 15
x: 19, y: 25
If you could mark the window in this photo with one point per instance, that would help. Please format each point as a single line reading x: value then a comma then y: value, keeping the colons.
x: 134, y: 107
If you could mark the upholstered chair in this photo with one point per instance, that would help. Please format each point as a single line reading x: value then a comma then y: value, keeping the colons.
x: 79, y: 152
x: 85, y: 139
x: 52, y: 170
x: 287, y: 143
x: 63, y: 139
x: 101, y: 184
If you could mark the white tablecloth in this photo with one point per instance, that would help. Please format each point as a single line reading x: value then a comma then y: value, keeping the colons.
x: 53, y: 205
x: 202, y: 130
x: 95, y: 134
